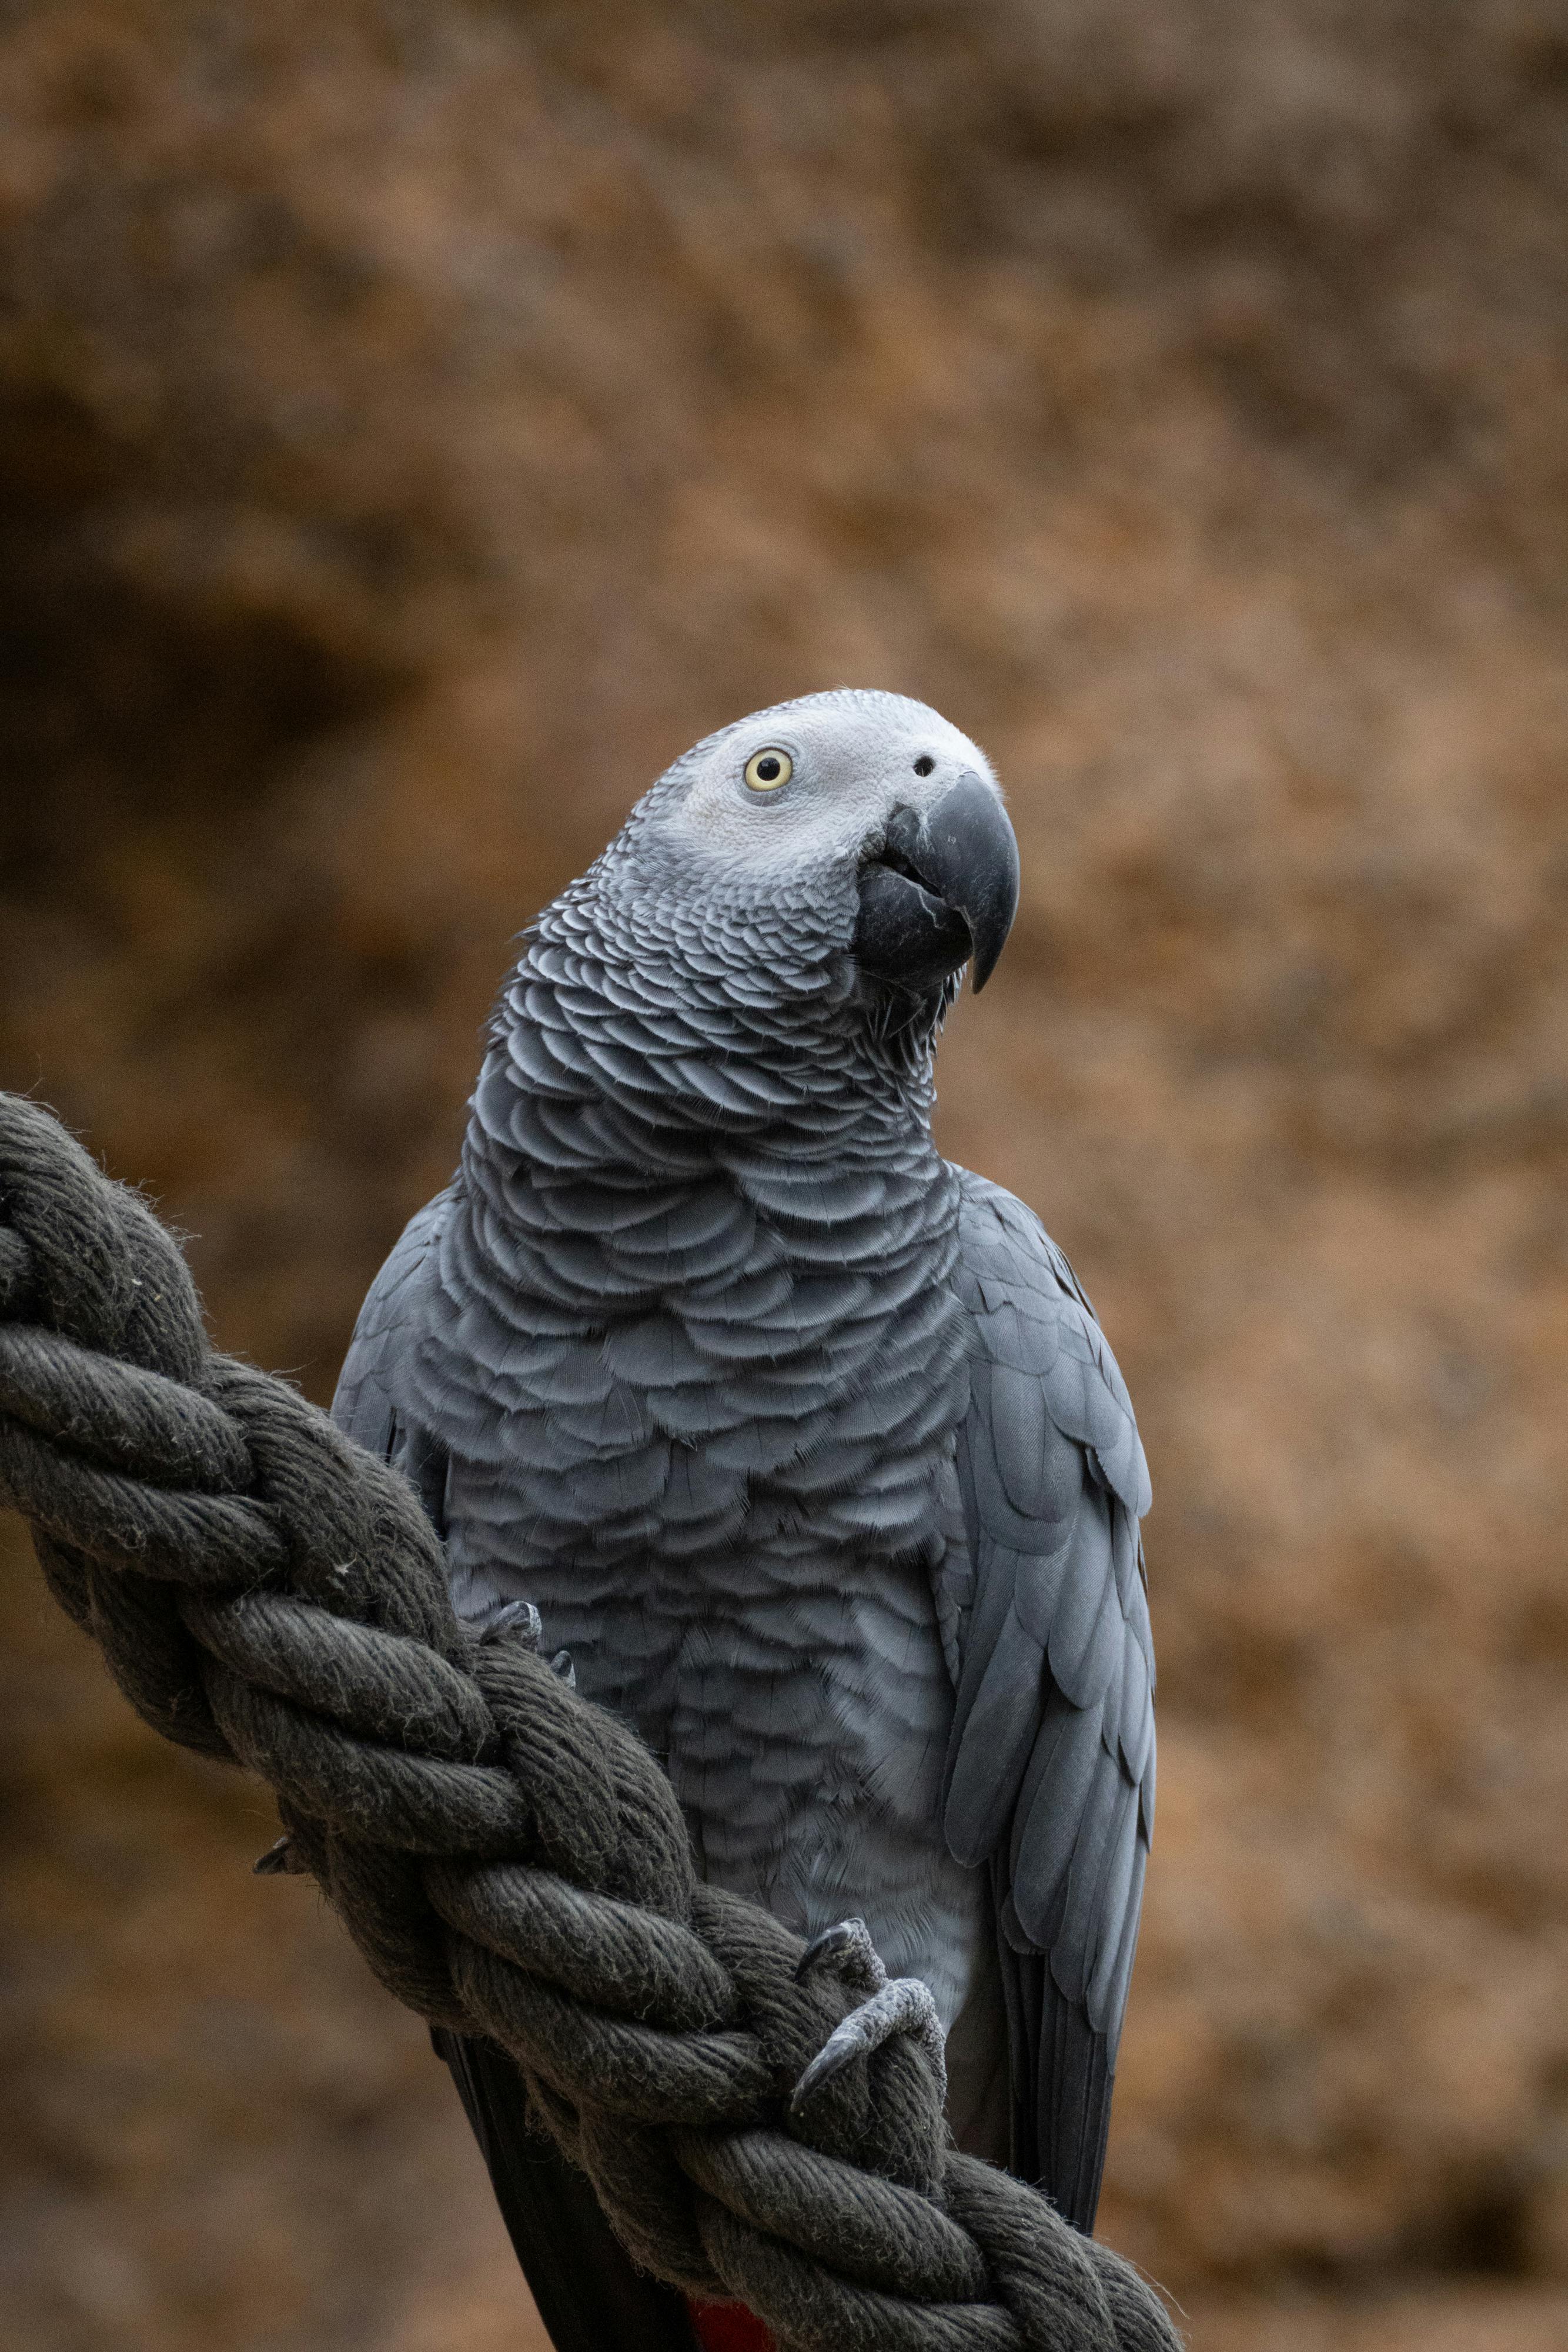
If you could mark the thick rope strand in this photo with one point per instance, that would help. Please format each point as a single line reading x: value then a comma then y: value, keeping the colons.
x: 510, y: 1859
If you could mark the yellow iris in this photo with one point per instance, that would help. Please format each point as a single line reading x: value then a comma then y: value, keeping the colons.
x: 766, y: 770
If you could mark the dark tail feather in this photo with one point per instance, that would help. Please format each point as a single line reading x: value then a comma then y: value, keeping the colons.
x: 590, y: 2297
x: 1061, y: 2089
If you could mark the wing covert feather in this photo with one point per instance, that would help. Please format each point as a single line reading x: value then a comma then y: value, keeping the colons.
x: 365, y: 1405
x: 1051, y: 1770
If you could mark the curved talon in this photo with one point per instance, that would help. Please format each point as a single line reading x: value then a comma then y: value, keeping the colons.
x: 847, y: 1941
x: 903, y: 2005
x: 280, y: 1856
x: 561, y: 1664
x: 520, y: 1620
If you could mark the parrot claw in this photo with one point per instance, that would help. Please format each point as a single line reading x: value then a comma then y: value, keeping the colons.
x: 519, y: 1621
x: 894, y: 2005
x: 847, y: 1942
x: 561, y: 1664
x: 903, y: 2005
x: 277, y: 1858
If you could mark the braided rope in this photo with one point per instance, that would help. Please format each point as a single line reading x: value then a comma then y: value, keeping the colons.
x: 508, y: 1858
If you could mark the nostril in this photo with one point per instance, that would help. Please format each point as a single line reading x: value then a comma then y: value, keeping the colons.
x: 924, y: 765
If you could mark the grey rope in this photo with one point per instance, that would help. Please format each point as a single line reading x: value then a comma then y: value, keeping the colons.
x: 508, y: 1858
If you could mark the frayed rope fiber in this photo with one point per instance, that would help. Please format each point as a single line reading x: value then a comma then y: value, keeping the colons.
x: 510, y: 1859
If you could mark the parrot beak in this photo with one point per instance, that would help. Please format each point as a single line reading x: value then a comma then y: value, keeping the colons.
x: 940, y: 889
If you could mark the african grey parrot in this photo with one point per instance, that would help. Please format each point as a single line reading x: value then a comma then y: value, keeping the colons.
x: 804, y: 1444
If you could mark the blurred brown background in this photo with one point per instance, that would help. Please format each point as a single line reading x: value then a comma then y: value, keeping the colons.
x: 421, y: 418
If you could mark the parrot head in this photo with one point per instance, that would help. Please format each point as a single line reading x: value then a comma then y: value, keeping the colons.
x: 867, y: 816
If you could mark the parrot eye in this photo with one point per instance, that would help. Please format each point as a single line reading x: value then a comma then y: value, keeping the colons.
x: 766, y: 770
x: 924, y: 765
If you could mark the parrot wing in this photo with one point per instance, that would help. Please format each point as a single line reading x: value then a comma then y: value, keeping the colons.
x: 1050, y: 1773
x: 365, y: 1406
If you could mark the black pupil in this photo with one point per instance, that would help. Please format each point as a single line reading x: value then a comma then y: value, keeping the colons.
x: 768, y: 770
x: 924, y: 765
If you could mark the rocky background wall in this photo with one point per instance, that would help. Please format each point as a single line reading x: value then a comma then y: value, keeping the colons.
x: 418, y: 420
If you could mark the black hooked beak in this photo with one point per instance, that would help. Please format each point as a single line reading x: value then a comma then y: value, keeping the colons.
x: 940, y: 889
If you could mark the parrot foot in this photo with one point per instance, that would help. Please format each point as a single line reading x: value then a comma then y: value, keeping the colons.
x: 519, y: 1621
x: 847, y: 1945
x: 894, y: 2005
x: 281, y: 1856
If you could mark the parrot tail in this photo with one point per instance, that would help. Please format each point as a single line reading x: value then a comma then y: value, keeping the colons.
x: 590, y: 2296
x: 728, y: 2327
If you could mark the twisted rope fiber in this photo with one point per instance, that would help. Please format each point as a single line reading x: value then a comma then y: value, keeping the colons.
x: 510, y: 1860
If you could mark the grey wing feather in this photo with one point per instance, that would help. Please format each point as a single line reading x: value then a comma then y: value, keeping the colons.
x: 1051, y: 1774
x: 366, y: 1406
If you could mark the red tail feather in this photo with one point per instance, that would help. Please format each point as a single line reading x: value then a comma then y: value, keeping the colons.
x: 728, y: 2327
